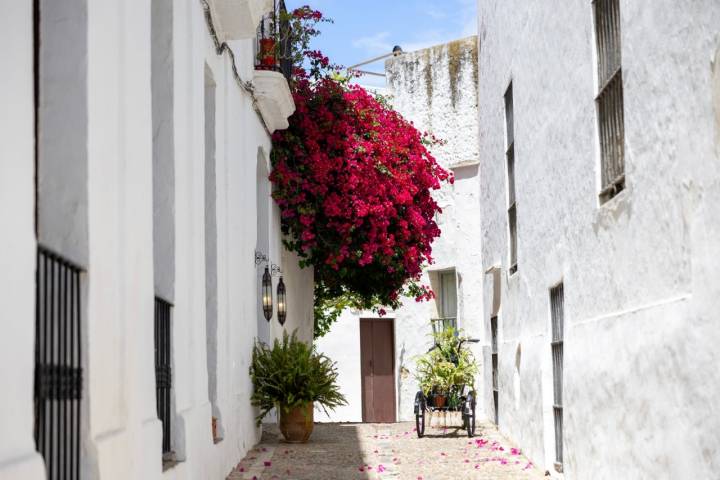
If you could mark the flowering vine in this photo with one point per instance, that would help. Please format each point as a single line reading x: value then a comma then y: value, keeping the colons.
x: 353, y: 180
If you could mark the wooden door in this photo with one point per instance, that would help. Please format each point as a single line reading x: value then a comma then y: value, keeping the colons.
x: 377, y: 357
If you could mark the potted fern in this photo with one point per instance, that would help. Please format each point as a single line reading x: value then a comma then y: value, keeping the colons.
x: 292, y: 377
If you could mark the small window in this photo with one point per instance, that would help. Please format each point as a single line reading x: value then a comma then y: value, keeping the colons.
x: 163, y: 375
x: 510, y: 164
x: 494, y: 350
x: 446, y: 302
x: 557, y: 315
x: 609, y: 100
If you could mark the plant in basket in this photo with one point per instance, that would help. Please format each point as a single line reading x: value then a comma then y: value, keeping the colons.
x: 446, y: 368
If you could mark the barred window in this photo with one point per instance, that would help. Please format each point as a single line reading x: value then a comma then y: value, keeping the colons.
x: 510, y: 159
x: 609, y: 100
x: 557, y: 313
x: 494, y: 350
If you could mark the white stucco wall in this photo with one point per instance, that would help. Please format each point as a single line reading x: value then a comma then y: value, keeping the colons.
x: 113, y: 199
x: 18, y: 459
x: 436, y: 89
x: 640, y: 272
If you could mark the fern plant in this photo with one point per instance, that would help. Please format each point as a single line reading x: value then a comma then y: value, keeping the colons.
x: 292, y: 374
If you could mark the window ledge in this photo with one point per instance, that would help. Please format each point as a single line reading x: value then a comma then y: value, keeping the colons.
x: 274, y: 99
x: 238, y: 19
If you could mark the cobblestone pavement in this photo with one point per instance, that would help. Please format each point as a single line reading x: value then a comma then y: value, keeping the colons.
x: 393, y: 451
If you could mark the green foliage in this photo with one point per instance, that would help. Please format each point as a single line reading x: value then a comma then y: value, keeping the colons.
x: 292, y: 374
x: 446, y: 365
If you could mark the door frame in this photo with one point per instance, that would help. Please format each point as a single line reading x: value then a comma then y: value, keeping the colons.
x: 394, y: 368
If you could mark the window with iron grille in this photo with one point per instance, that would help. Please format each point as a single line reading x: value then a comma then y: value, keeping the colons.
x: 163, y: 372
x: 557, y: 316
x: 58, y: 365
x: 609, y: 100
x: 494, y: 350
x: 510, y: 163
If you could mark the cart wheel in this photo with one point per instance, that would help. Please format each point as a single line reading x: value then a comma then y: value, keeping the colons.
x: 470, y: 414
x: 420, y: 409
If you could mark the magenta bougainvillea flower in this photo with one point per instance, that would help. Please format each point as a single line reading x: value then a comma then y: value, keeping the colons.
x: 354, y: 181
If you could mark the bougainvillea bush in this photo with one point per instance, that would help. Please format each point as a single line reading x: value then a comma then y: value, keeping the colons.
x: 353, y: 180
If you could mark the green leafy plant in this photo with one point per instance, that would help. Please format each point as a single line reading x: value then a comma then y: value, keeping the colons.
x: 447, y: 365
x: 292, y: 374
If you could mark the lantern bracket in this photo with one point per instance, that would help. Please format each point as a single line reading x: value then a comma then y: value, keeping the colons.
x: 260, y: 258
x: 275, y: 270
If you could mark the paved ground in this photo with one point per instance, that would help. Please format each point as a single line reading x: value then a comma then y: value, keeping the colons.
x: 393, y: 451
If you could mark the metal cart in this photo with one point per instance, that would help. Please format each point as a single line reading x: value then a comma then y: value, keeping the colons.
x: 465, y: 397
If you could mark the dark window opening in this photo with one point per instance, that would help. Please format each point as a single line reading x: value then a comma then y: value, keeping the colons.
x: 557, y: 307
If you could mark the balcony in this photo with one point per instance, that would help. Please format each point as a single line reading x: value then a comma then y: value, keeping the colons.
x: 273, y: 68
x: 237, y: 19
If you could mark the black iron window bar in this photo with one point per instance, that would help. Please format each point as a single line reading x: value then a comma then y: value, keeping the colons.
x: 494, y: 355
x: 557, y: 307
x: 273, y: 41
x: 611, y: 122
x: 510, y: 159
x: 58, y: 365
x: 163, y: 372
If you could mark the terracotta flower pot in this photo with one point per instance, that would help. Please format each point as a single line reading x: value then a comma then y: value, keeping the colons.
x: 296, y: 424
x: 267, y: 52
x: 440, y: 401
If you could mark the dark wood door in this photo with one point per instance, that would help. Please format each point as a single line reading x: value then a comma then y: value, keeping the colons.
x: 377, y: 357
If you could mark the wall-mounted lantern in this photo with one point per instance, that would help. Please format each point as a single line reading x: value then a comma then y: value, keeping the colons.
x: 281, y: 302
x: 267, y: 300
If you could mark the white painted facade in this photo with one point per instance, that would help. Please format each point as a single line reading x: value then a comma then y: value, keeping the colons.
x: 435, y: 89
x: 122, y: 155
x: 640, y: 272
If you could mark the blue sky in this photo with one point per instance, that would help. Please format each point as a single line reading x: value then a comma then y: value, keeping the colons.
x: 367, y: 28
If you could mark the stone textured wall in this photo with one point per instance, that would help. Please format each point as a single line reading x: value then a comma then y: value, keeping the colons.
x: 436, y: 89
x: 640, y: 272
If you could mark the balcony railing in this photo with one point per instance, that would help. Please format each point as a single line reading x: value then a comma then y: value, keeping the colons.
x: 273, y: 41
x: 439, y: 325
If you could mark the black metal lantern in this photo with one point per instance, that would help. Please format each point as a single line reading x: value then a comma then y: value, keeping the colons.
x: 267, y: 300
x: 281, y: 302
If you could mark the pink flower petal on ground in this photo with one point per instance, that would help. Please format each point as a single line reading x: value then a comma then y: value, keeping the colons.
x: 361, y: 469
x: 415, y: 430
x: 241, y: 469
x: 501, y: 449
x: 514, y: 451
x: 529, y: 465
x: 381, y: 468
x: 503, y: 461
x: 477, y: 466
x: 443, y: 454
x: 267, y: 463
x: 467, y: 461
x: 264, y: 449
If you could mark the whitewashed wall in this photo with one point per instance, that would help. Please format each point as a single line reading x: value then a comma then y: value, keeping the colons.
x: 640, y: 272
x: 121, y: 432
x: 18, y: 459
x: 435, y: 88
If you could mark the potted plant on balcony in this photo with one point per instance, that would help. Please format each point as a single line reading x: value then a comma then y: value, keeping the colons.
x: 292, y: 377
x: 268, y: 53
